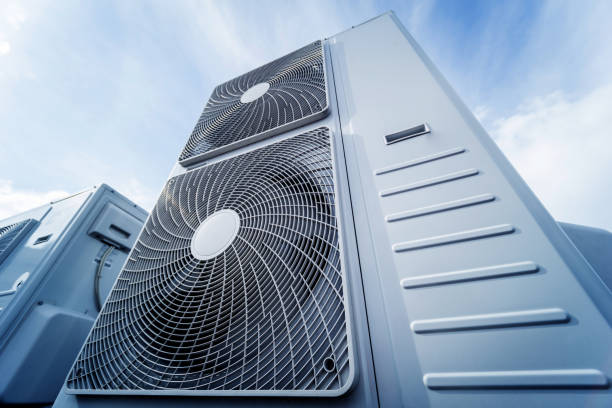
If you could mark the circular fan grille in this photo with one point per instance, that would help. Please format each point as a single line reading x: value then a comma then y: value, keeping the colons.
x: 265, y: 314
x: 297, y: 93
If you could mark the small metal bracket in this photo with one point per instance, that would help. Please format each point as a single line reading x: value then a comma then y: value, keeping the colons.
x: 18, y: 282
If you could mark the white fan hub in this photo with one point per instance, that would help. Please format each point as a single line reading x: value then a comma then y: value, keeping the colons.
x: 215, y: 234
x: 255, y: 92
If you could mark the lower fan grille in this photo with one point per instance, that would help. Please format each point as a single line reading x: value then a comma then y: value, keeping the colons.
x: 263, y: 312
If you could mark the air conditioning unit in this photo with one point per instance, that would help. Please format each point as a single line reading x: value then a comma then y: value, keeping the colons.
x: 57, y: 265
x: 340, y: 231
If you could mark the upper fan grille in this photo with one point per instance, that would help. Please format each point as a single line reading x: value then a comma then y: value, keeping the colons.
x: 266, y: 315
x: 295, y: 93
x: 10, y: 235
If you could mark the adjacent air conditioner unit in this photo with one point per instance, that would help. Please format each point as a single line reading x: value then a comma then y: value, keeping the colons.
x: 339, y: 230
x: 56, y: 263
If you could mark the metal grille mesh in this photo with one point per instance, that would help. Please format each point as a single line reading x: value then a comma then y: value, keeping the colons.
x: 11, y: 235
x: 267, y: 314
x: 297, y: 95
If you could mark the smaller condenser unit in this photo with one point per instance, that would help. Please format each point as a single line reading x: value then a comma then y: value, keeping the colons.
x: 57, y: 265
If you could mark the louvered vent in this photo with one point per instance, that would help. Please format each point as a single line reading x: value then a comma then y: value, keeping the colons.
x: 288, y: 92
x: 235, y: 285
x: 11, y: 235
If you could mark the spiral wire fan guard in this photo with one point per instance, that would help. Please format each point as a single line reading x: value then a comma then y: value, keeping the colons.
x: 266, y: 316
x: 296, y: 95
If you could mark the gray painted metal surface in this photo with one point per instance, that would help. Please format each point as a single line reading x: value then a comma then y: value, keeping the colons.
x: 45, y: 320
x: 535, y: 328
x: 464, y: 291
x: 595, y: 245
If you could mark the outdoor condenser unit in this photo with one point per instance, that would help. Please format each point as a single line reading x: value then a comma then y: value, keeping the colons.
x: 58, y: 263
x: 340, y: 231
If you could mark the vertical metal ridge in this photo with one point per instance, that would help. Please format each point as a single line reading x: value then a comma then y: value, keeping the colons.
x: 491, y: 320
x: 440, y: 207
x: 568, y: 378
x: 429, y: 182
x: 420, y: 160
x: 466, y: 275
x: 455, y: 237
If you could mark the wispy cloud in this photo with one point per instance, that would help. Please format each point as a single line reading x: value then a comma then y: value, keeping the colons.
x: 5, y: 47
x: 561, y: 146
x: 14, y: 200
x: 93, y: 92
x: 14, y: 14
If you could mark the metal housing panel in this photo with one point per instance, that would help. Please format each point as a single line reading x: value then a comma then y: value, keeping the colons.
x: 424, y: 215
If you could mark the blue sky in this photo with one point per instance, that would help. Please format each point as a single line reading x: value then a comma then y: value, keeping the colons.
x: 110, y: 91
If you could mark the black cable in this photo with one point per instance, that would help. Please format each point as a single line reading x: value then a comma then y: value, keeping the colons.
x: 97, y: 297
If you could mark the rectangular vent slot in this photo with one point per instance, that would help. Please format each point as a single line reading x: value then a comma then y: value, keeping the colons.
x: 119, y: 231
x: 407, y: 134
x: 43, y: 239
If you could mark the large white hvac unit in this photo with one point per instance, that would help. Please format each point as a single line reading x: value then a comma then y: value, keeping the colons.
x: 58, y: 263
x: 340, y: 231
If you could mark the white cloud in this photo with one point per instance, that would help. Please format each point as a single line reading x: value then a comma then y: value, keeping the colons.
x: 12, y: 18
x: 14, y: 201
x: 418, y: 14
x: 5, y: 47
x: 562, y: 148
x: 15, y: 16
